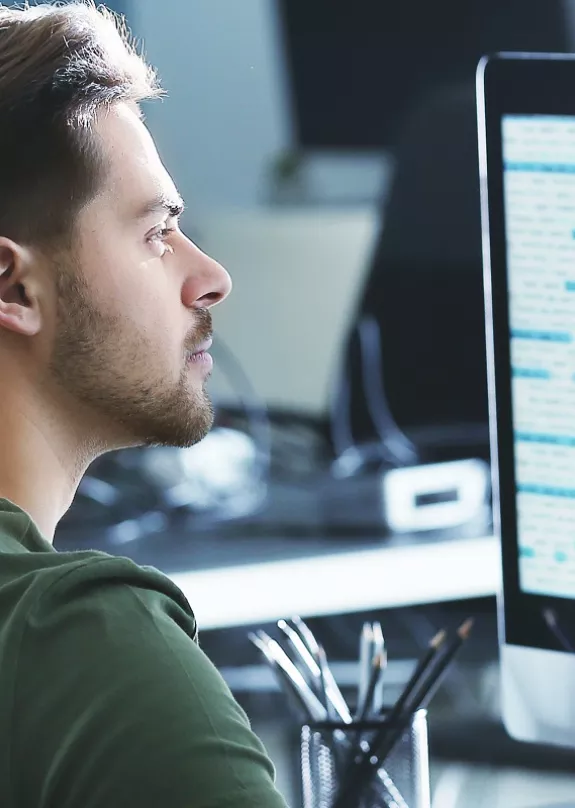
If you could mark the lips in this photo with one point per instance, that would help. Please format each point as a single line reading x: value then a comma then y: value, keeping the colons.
x: 202, y: 347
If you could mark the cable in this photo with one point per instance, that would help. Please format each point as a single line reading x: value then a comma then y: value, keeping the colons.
x: 393, y: 447
x: 391, y: 436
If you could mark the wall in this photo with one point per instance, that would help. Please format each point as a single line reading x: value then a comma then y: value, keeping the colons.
x: 296, y: 273
x: 296, y: 278
x: 226, y: 116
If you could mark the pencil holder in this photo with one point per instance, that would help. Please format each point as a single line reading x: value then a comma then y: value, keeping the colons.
x: 402, y: 780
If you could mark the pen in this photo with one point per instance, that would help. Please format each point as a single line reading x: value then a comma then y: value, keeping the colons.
x: 307, y: 635
x: 274, y: 651
x: 293, y: 696
x: 311, y: 665
x: 378, y: 648
x: 332, y: 710
x: 365, y: 657
x: 332, y: 690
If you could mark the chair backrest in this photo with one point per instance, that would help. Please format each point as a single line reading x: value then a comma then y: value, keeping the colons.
x: 424, y: 285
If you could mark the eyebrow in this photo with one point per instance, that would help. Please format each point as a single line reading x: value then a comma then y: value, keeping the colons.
x: 174, y: 205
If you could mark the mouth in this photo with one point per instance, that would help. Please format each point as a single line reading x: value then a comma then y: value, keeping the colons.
x: 199, y: 355
x: 202, y: 347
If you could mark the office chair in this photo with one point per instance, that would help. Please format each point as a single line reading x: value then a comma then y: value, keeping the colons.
x: 413, y: 378
x: 422, y: 303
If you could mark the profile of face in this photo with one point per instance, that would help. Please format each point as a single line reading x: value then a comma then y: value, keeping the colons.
x: 132, y: 314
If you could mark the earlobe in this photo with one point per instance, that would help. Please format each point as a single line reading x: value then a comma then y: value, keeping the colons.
x: 19, y: 310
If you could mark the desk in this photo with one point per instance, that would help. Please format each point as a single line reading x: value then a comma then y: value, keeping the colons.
x: 389, y: 576
x: 314, y: 549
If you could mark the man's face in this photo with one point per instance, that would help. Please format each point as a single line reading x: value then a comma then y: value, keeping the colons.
x: 134, y: 302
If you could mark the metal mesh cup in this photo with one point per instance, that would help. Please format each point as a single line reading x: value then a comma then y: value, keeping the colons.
x: 401, y: 782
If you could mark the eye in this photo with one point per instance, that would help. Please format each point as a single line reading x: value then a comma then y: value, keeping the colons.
x: 162, y: 232
x: 159, y: 237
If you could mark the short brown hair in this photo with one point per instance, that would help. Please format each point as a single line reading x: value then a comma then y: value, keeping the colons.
x: 59, y: 65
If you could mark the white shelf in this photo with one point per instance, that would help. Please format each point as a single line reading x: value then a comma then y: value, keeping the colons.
x: 345, y: 582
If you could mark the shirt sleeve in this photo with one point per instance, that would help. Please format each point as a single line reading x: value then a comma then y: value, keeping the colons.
x: 117, y: 705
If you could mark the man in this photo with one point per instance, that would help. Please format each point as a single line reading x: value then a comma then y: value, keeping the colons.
x: 106, y: 700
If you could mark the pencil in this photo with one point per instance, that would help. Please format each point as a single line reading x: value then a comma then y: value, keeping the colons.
x: 428, y: 688
x: 386, y: 739
x: 399, y: 719
x: 422, y: 666
x: 377, y: 667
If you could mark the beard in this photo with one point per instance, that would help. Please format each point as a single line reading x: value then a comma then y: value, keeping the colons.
x: 104, y: 368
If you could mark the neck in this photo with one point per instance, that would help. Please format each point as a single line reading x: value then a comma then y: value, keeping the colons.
x: 42, y: 462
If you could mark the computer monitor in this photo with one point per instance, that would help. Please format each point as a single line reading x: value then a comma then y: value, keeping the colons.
x: 526, y: 110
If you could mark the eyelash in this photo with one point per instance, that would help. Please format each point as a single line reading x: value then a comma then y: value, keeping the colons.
x: 162, y: 235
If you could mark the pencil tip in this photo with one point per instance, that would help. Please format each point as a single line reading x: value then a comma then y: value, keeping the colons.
x: 439, y: 639
x: 465, y: 629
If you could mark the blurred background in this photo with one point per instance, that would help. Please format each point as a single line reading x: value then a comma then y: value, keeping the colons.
x: 327, y: 152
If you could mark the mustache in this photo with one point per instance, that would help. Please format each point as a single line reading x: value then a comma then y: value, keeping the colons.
x: 203, y: 328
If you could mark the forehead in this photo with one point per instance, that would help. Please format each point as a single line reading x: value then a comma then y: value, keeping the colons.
x: 136, y: 171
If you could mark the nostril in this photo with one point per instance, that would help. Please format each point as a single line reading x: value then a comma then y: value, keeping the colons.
x: 210, y: 299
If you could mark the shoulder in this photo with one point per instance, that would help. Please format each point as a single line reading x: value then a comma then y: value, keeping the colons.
x: 95, y: 582
x: 117, y: 702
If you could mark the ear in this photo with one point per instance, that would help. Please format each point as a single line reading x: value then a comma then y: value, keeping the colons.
x: 20, y: 287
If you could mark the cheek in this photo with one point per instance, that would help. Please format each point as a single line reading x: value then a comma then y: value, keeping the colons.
x: 150, y: 308
x: 132, y: 286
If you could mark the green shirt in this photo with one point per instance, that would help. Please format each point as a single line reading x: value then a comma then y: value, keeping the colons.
x: 106, y: 699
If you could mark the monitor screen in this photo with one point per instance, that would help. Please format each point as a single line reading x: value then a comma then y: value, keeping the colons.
x: 539, y: 196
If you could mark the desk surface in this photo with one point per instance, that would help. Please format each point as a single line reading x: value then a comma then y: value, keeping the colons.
x: 335, y: 583
x: 263, y: 569
x: 240, y: 580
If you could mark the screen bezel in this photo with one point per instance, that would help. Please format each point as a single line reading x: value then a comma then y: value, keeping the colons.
x: 513, y: 84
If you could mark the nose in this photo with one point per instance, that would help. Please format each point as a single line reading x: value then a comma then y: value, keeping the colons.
x: 207, y: 283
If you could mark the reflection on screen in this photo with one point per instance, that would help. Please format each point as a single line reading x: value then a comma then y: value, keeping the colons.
x: 539, y: 192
